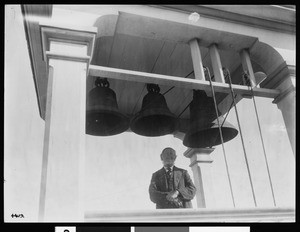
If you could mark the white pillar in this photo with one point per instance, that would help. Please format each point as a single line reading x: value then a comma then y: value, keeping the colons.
x: 200, y: 159
x: 67, y: 53
x: 247, y: 66
x: 286, y: 103
x: 201, y: 167
x: 197, y: 59
x: 216, y: 63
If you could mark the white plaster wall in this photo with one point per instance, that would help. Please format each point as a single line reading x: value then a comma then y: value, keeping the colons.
x: 23, y: 127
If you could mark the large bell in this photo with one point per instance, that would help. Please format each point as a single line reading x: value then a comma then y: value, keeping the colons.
x: 155, y: 118
x: 103, y: 117
x: 203, y: 130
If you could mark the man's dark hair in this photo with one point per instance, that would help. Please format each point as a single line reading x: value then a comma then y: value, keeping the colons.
x: 167, y: 148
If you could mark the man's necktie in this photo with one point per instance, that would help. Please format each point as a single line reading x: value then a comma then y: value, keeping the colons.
x: 170, y: 179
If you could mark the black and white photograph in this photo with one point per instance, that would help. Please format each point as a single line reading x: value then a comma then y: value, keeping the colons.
x: 150, y: 114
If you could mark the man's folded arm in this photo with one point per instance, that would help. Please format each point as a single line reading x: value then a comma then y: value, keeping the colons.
x: 188, y: 191
x: 155, y: 195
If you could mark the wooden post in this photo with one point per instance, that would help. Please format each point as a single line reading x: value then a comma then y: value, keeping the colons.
x: 216, y: 63
x: 201, y: 167
x: 61, y: 196
x: 247, y: 66
x: 200, y: 160
x: 197, y: 60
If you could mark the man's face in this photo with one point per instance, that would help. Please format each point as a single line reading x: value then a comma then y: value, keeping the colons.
x: 168, y: 158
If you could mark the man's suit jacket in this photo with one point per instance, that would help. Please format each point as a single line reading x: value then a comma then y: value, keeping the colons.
x: 158, y: 188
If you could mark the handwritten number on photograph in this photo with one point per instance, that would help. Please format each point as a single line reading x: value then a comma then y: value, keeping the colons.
x: 14, y: 215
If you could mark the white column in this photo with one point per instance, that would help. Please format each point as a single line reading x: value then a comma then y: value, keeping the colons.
x: 200, y: 159
x: 67, y: 53
x: 286, y: 103
x: 201, y: 167
x: 197, y: 60
x: 247, y: 66
x: 216, y: 63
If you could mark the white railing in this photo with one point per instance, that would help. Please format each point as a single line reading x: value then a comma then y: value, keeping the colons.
x: 274, y: 214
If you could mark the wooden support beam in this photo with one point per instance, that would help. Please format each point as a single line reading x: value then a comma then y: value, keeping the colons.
x: 197, y: 60
x: 216, y: 63
x: 180, y: 82
x: 247, y: 66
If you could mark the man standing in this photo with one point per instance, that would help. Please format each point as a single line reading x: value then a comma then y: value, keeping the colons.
x: 171, y: 187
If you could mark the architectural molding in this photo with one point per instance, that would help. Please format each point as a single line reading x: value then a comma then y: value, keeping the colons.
x: 190, y: 152
x: 249, y: 19
x: 61, y: 56
x: 279, y: 75
x: 67, y: 34
x: 38, y: 66
x: 281, y: 96
x: 195, y: 215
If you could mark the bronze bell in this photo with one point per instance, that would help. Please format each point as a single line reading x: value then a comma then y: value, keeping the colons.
x: 203, y: 129
x: 103, y: 117
x: 155, y: 118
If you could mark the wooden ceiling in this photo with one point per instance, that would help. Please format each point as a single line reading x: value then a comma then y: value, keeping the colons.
x: 149, y: 44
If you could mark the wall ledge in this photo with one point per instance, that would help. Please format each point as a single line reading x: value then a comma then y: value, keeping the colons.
x: 274, y: 214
